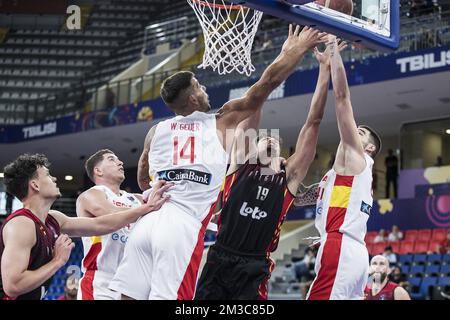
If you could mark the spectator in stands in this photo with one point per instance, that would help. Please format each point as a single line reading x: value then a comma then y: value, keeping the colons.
x: 398, y: 277
x: 444, y: 246
x: 9, y: 203
x: 380, y: 237
x: 110, y: 99
x: 396, y: 234
x: 304, y: 270
x: 303, y: 267
x: 439, y: 162
x: 391, y: 163
x: 70, y: 289
x: 390, y: 255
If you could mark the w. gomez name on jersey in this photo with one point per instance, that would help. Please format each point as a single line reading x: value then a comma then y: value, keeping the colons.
x: 255, y: 212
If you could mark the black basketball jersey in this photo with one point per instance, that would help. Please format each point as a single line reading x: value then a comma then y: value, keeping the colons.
x: 254, y: 208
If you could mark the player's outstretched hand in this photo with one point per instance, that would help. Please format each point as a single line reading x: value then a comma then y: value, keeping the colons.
x: 324, y: 57
x: 157, y: 195
x: 63, y: 247
x: 302, y: 40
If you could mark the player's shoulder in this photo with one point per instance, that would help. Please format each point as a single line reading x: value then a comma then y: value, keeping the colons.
x: 20, y: 227
x: 400, y: 293
x: 91, y: 193
x: 393, y: 286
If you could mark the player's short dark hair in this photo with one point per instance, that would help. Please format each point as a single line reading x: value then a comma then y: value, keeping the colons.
x: 374, y: 139
x: 174, y: 86
x: 93, y: 161
x: 18, y: 173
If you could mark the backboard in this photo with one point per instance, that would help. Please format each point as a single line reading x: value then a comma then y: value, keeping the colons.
x: 374, y: 24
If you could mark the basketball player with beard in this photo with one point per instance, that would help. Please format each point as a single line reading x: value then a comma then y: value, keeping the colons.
x: 379, y: 286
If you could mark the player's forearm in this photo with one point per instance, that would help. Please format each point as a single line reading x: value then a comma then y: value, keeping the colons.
x: 28, y: 280
x: 319, y: 99
x: 112, y: 222
x: 282, y: 67
x: 338, y: 75
x: 142, y: 174
x: 143, y: 180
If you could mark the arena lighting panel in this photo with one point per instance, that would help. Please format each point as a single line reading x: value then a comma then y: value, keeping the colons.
x: 382, y: 34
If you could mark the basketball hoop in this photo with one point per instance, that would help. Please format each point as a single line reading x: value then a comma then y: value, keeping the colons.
x: 229, y: 31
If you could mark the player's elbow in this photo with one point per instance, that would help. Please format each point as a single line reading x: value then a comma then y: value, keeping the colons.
x: 314, y: 124
x: 341, y: 94
x: 12, y: 289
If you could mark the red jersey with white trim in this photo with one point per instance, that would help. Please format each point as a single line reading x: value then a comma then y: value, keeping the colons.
x: 41, y: 253
x: 104, y: 253
x: 344, y: 203
x: 387, y: 293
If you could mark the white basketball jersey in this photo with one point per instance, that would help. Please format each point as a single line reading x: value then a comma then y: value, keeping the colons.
x: 104, y: 253
x: 344, y: 203
x: 187, y: 151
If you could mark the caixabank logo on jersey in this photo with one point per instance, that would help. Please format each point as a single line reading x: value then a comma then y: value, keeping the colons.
x: 185, y: 174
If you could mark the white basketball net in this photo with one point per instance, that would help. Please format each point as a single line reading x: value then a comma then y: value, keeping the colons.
x: 229, y: 31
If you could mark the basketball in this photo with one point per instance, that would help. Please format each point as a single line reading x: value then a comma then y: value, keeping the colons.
x: 344, y: 6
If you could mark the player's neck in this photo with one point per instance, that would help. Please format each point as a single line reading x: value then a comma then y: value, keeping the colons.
x: 186, y: 112
x: 376, y: 288
x: 273, y: 164
x: 38, y: 206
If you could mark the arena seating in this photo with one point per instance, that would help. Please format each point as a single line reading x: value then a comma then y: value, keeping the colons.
x: 112, y: 41
x: 423, y: 267
x: 39, y: 63
x: 415, y: 241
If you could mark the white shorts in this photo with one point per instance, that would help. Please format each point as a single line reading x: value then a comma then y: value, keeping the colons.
x: 94, y: 286
x: 162, y: 256
x: 342, y: 269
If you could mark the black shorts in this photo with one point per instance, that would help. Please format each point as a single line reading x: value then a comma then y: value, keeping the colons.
x: 228, y: 276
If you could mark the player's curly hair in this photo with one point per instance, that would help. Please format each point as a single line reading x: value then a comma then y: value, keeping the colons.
x: 18, y: 173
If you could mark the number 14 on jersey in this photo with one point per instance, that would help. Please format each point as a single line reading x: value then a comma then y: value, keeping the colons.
x: 187, y: 151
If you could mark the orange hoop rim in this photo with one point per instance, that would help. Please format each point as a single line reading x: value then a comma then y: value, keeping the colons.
x: 217, y: 6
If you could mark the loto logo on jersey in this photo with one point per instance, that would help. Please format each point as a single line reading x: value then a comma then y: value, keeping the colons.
x: 185, y: 174
x: 366, y: 208
x: 255, y: 212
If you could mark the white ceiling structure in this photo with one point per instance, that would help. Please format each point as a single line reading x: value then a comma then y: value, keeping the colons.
x: 374, y: 104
